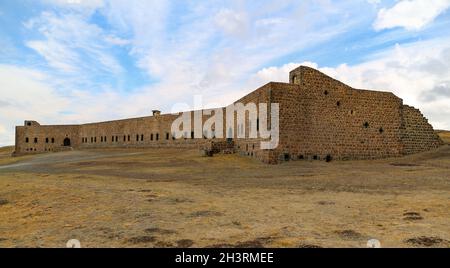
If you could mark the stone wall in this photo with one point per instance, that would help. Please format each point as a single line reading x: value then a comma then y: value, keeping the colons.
x: 417, y: 134
x: 320, y: 119
x: 339, y: 122
x: 37, y: 139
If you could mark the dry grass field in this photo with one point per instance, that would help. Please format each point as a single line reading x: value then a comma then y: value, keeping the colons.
x: 445, y: 135
x: 177, y: 198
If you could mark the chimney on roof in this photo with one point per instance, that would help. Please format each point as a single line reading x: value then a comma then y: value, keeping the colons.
x: 156, y: 112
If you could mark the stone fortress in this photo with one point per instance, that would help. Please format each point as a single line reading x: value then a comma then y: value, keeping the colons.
x: 320, y: 118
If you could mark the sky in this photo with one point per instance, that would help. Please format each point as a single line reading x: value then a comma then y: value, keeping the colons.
x: 79, y: 61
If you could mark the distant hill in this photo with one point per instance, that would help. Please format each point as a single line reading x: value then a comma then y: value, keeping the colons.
x: 445, y: 135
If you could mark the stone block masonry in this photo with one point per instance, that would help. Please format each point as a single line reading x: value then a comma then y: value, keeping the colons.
x: 320, y: 119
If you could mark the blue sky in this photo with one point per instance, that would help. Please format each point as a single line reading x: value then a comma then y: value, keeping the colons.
x: 75, y: 61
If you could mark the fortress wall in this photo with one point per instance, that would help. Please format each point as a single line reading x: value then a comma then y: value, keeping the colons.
x: 151, y: 131
x: 319, y: 117
x: 252, y: 147
x: 416, y: 133
x: 343, y: 122
x: 48, y: 138
x: 292, y: 117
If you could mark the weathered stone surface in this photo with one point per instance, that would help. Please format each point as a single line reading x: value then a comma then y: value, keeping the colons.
x: 320, y: 119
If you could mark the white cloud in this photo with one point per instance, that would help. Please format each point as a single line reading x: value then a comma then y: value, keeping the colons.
x: 420, y: 79
x: 279, y: 74
x: 117, y: 40
x: 232, y: 22
x: 25, y: 94
x: 76, y: 4
x: 72, y: 45
x: 57, y: 55
x: 374, y: 2
x: 410, y: 14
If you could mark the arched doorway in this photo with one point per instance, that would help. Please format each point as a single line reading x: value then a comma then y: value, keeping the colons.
x: 66, y: 142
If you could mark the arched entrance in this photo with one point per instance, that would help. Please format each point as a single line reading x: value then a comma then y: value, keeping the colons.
x: 66, y: 142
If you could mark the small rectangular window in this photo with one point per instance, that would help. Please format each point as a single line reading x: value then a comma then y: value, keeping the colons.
x: 157, y: 136
x: 46, y: 140
x: 35, y: 140
x: 151, y: 136
x: 53, y: 140
x: 142, y: 137
x: 167, y: 136
x: 27, y: 140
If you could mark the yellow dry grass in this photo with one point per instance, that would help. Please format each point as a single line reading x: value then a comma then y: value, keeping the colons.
x: 445, y: 135
x: 170, y: 198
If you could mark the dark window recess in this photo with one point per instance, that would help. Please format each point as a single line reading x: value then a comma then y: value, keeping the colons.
x: 192, y: 134
x: 66, y: 142
x: 325, y: 92
x: 338, y: 103
x: 352, y: 112
x: 301, y: 157
x: 137, y: 137
x: 151, y: 136
x: 253, y: 146
x: 366, y: 124
x: 95, y: 139
x: 105, y: 139
x: 124, y: 138
x: 46, y: 140
x: 53, y: 140
x: 35, y: 140
x: 28, y: 123
x: 315, y: 157
x: 117, y: 138
x: 157, y: 136
x: 381, y: 130
x: 286, y: 157
x: 328, y: 158
x: 112, y: 138
x: 129, y: 137
x: 27, y: 140
x: 257, y: 124
x: 142, y: 137
x: 167, y: 136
